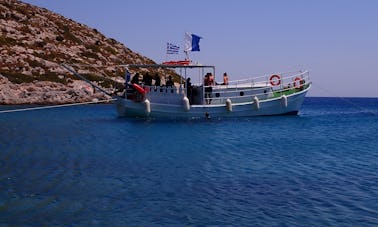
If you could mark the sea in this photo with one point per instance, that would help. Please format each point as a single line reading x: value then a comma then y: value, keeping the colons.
x: 84, y: 166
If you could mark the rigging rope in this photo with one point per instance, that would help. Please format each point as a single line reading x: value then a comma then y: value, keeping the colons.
x: 346, y: 100
x: 55, y: 106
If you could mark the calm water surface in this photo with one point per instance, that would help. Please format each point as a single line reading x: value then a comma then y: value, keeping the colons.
x: 84, y: 166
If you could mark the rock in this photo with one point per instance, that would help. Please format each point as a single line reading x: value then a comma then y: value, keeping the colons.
x: 33, y: 44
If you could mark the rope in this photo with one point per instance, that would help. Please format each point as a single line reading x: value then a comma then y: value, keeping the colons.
x: 55, y: 106
x: 346, y: 100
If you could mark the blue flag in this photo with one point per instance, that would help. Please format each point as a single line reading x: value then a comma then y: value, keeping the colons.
x: 192, y: 42
x: 127, y: 78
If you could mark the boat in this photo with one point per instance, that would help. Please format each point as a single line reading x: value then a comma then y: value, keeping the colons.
x: 266, y: 95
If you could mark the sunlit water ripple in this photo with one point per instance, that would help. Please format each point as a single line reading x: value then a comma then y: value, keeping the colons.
x: 84, y: 166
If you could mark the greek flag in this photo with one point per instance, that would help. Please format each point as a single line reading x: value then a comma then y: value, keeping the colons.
x: 172, y: 49
x: 192, y: 42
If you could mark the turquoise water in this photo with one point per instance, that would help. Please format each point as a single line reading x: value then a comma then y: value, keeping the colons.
x: 83, y: 166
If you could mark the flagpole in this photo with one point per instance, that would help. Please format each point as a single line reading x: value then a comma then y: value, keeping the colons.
x: 166, y: 53
x: 186, y: 46
x: 187, y: 55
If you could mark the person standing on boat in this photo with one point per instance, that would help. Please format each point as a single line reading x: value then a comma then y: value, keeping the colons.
x: 225, y: 79
x: 135, y: 79
x: 211, y: 80
x: 189, y: 90
x: 208, y: 82
x: 157, y: 80
x: 147, y: 79
x: 169, y: 82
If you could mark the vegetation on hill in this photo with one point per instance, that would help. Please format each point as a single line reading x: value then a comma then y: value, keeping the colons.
x: 35, y: 41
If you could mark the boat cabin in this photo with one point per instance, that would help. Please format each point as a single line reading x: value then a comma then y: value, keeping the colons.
x: 202, y: 89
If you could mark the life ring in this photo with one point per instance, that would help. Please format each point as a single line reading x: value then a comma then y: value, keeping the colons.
x: 275, y: 80
x: 139, y: 95
x: 139, y: 89
x: 298, y: 83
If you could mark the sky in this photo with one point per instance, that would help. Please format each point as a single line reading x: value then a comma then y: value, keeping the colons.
x: 335, y: 40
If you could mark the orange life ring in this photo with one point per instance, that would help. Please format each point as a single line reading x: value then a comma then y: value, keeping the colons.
x: 300, y: 83
x: 139, y: 89
x: 275, y: 80
x: 139, y: 95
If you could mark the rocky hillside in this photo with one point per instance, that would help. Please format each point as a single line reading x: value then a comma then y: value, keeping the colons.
x: 35, y: 41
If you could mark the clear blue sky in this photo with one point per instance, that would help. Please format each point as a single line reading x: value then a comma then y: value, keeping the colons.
x: 336, y: 40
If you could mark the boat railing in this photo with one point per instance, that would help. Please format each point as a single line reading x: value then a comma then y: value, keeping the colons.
x: 264, y: 87
x: 266, y: 80
x: 166, y: 89
x: 294, y: 82
x: 238, y: 91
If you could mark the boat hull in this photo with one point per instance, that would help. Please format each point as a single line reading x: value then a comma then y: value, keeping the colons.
x: 283, y: 105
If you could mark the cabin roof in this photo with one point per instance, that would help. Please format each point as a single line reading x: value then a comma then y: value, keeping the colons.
x: 166, y: 66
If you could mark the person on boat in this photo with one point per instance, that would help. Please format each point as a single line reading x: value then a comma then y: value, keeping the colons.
x: 135, y: 79
x: 208, y: 82
x: 157, y: 79
x: 225, y: 79
x: 211, y: 80
x: 147, y: 79
x: 169, y: 82
x: 136, y: 94
x: 189, y: 90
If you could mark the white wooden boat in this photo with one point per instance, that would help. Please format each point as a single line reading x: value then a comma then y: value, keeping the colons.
x: 272, y: 94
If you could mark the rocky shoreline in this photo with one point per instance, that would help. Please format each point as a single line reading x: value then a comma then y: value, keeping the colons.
x: 47, y: 93
x: 34, y: 42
